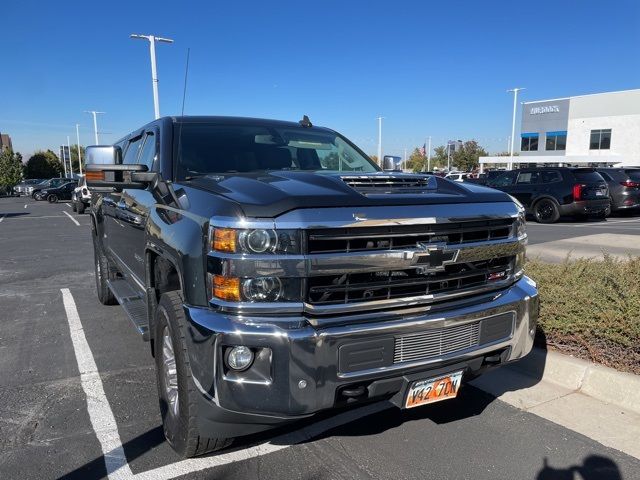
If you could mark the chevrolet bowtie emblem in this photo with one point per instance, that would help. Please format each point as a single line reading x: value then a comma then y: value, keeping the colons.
x: 434, y: 257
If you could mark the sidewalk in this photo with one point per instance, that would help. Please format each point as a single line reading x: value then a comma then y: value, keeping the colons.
x: 587, y: 246
x: 590, y: 399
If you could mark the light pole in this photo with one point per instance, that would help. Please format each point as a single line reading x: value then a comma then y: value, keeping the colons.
x: 78, y: 145
x: 95, y: 123
x: 513, y: 123
x: 70, y: 164
x: 380, y: 140
x: 429, y: 156
x: 154, y: 74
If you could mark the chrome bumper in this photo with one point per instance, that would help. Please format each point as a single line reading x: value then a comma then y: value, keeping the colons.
x: 303, y: 374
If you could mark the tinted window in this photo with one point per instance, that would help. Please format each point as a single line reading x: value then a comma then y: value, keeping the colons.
x: 549, y: 176
x: 556, y: 141
x: 600, y: 140
x: 209, y: 148
x: 529, y: 142
x: 587, y: 175
x: 606, y: 176
x: 132, y: 151
x: 148, y: 151
x: 635, y: 174
x: 528, y: 178
x: 507, y: 178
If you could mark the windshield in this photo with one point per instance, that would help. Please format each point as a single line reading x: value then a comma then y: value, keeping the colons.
x: 212, y: 149
x: 587, y: 175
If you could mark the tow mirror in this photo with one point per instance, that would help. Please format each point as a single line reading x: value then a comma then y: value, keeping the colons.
x: 119, y: 176
x: 391, y: 163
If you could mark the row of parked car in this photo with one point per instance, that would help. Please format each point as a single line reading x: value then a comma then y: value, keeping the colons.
x: 55, y: 189
x: 548, y: 193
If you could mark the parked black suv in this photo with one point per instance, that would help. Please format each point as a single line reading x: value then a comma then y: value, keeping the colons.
x: 52, y: 195
x: 551, y: 192
x: 624, y: 187
x: 278, y: 272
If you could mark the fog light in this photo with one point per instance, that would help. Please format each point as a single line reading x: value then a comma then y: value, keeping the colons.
x: 239, y: 358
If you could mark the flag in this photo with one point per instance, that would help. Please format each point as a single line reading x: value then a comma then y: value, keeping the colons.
x: 423, y: 150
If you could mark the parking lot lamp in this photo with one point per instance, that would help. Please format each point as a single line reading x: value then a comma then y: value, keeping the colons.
x: 154, y: 74
x: 78, y: 145
x: 513, y: 123
x: 380, y: 140
x: 95, y: 124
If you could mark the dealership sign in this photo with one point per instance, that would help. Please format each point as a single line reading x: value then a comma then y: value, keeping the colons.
x: 545, y: 109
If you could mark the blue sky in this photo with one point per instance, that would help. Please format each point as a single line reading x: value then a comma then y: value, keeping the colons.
x: 430, y: 68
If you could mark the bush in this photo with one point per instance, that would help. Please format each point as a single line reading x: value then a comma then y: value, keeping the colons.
x: 591, y: 309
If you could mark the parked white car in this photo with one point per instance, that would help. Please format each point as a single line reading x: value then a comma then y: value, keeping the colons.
x: 81, y: 196
x: 457, y: 176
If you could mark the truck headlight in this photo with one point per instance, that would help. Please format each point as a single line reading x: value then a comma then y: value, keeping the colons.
x: 262, y: 289
x: 254, y: 241
x: 520, y: 226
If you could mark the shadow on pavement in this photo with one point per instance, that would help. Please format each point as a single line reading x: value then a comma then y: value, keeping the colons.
x: 594, y: 467
x: 16, y: 214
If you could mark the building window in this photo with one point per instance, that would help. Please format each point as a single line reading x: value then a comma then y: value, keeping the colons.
x: 600, y: 139
x: 556, y: 141
x: 529, y: 142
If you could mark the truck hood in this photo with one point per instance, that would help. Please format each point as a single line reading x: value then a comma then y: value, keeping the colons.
x: 269, y: 194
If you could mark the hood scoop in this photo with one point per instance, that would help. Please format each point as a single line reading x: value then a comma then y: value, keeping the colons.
x: 391, y: 184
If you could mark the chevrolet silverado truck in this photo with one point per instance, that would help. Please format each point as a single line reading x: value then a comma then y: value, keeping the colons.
x: 278, y: 272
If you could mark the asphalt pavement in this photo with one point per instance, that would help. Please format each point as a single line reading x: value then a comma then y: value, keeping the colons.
x: 78, y: 393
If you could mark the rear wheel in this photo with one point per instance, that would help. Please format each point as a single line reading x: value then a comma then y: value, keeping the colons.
x: 80, y: 207
x: 74, y: 206
x: 104, y: 272
x: 53, y: 198
x: 177, y: 392
x: 546, y: 211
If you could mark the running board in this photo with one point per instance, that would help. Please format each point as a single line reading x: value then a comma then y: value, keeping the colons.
x: 133, y: 304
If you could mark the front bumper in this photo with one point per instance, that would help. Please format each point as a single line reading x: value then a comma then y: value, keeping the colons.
x: 305, y: 374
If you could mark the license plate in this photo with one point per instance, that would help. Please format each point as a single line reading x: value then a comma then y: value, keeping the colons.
x: 599, y: 193
x: 433, y: 390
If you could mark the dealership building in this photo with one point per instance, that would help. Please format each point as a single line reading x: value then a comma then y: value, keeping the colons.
x: 602, y: 129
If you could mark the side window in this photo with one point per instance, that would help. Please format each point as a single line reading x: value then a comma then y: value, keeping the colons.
x: 527, y: 178
x: 132, y: 150
x: 148, y: 153
x: 550, y: 176
x: 507, y: 178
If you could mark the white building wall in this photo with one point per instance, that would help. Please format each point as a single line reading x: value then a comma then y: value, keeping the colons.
x: 619, y: 111
x: 625, y: 137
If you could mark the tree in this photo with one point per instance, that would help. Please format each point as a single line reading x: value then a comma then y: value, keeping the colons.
x: 416, y: 161
x: 43, y: 165
x: 10, y: 169
x: 466, y: 158
x: 374, y: 158
x: 74, y: 158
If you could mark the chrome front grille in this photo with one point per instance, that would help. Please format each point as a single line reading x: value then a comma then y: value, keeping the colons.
x: 358, y: 239
x: 390, y: 284
x: 436, y: 342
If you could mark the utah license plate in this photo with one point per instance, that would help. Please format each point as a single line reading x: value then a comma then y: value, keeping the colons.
x: 433, y: 390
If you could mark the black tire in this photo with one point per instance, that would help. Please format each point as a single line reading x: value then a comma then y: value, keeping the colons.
x: 180, y: 427
x: 546, y: 211
x: 74, y: 206
x: 104, y: 272
x: 53, y: 198
x: 80, y: 208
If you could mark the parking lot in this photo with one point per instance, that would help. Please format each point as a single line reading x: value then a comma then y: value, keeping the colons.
x: 78, y: 391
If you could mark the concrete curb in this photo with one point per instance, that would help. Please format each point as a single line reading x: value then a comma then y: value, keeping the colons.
x: 599, y: 382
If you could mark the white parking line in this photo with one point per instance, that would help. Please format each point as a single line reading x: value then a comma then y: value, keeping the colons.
x: 72, y: 219
x: 1, y: 218
x: 106, y: 430
x: 25, y: 205
x: 68, y: 205
x: 100, y: 414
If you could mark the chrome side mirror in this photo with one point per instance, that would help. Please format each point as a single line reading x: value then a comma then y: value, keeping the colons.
x: 103, y: 155
x: 391, y: 163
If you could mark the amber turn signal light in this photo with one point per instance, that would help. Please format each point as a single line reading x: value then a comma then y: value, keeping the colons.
x: 224, y: 240
x: 226, y: 288
x: 99, y: 176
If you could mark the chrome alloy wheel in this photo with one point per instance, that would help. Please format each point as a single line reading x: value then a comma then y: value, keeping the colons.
x: 170, y: 372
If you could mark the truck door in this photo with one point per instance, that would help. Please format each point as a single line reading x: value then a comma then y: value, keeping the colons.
x: 132, y: 211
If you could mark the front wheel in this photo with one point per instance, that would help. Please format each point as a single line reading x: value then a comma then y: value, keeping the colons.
x: 176, y: 389
x: 104, y: 273
x: 546, y: 211
x: 74, y: 206
x: 80, y: 208
x: 53, y: 198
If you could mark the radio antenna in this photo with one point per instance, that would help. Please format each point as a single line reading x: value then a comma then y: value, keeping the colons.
x: 184, y: 96
x: 186, y: 73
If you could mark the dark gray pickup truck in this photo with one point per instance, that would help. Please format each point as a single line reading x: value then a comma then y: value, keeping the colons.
x: 278, y: 272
